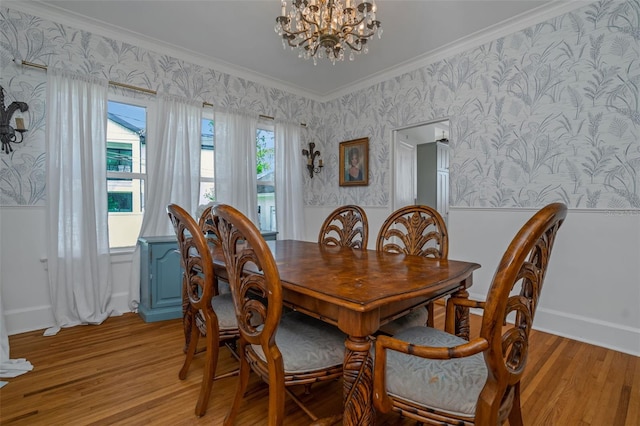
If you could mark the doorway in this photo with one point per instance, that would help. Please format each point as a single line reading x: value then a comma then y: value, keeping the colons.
x: 421, y: 166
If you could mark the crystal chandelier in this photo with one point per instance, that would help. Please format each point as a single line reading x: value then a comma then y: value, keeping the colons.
x: 325, y: 28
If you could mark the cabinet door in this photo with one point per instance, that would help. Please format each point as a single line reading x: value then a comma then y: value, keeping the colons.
x: 166, y: 275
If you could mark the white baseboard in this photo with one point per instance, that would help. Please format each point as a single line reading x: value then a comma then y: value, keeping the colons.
x: 29, y: 319
x: 41, y: 317
x: 588, y: 330
x: 599, y: 333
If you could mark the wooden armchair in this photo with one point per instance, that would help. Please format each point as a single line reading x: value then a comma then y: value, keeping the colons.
x: 284, y: 350
x: 345, y: 226
x: 435, y: 377
x: 417, y: 230
x: 212, y: 314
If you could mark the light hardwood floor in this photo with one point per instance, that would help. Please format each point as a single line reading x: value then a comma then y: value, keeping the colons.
x: 125, y: 372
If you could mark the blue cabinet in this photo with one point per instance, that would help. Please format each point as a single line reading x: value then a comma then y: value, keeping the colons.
x: 160, y: 279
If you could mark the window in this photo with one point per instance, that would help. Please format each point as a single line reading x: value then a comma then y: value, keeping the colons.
x: 207, y: 173
x: 126, y: 171
x: 265, y: 168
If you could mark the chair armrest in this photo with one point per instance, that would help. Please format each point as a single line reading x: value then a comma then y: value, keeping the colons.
x: 380, y: 398
x: 470, y: 348
x: 452, y: 304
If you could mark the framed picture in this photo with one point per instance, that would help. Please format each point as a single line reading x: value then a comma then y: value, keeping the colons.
x: 354, y: 162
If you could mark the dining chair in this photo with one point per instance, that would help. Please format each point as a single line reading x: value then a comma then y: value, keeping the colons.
x: 433, y: 376
x: 284, y: 350
x: 205, y: 312
x: 346, y: 226
x: 418, y: 230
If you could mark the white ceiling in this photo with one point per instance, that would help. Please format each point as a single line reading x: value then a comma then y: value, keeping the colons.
x: 238, y: 36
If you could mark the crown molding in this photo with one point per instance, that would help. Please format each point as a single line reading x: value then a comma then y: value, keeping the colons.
x: 52, y: 13
x: 486, y: 35
x: 517, y: 23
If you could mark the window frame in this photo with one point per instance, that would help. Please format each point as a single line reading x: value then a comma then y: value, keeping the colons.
x: 150, y: 105
x: 208, y: 114
x: 267, y: 126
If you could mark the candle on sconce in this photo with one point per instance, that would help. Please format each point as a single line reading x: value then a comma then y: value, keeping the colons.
x: 19, y: 123
x: 320, y: 162
x: 284, y: 8
x: 309, y: 161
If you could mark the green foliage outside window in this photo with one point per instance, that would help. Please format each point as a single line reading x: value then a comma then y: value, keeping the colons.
x: 264, y: 155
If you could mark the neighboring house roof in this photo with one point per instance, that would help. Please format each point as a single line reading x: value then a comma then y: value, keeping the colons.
x: 207, y: 138
x: 125, y: 124
x: 265, y: 182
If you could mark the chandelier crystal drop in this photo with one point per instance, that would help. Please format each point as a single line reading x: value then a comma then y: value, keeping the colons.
x: 326, y: 28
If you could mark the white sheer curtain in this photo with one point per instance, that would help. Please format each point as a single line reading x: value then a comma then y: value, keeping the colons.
x: 289, y: 182
x: 173, y: 173
x: 9, y: 367
x: 235, y: 148
x: 79, y: 265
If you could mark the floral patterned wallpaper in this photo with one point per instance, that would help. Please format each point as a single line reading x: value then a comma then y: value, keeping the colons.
x: 550, y: 113
x: 37, y: 40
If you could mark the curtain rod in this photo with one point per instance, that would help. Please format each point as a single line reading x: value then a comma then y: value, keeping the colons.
x: 113, y: 83
x: 128, y: 86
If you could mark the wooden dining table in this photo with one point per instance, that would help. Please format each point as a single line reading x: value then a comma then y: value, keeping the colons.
x: 360, y: 290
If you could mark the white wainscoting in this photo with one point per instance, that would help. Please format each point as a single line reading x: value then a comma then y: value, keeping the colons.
x: 591, y: 294
x: 592, y: 289
x: 24, y: 288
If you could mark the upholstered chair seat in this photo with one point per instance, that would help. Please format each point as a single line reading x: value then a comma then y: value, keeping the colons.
x: 306, y: 344
x: 223, y: 306
x: 415, y: 318
x: 451, y: 385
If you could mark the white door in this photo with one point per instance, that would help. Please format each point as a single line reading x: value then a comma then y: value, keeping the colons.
x: 443, y: 181
x: 405, y: 175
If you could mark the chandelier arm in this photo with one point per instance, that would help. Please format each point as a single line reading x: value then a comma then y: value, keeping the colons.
x: 314, y: 49
x: 293, y: 33
x: 304, y: 19
x: 357, y: 49
x: 302, y: 43
x: 355, y: 24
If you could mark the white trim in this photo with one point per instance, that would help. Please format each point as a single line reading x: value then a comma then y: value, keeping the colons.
x: 613, y: 336
x: 547, y: 11
x: 608, y: 212
x: 609, y: 335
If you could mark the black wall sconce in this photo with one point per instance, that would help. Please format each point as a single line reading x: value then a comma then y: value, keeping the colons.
x: 311, y: 159
x: 8, y: 133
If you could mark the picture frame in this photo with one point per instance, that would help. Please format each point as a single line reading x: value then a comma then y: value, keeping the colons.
x: 356, y: 174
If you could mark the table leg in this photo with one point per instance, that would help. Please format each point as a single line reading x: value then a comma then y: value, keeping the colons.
x: 358, y: 382
x: 462, y: 316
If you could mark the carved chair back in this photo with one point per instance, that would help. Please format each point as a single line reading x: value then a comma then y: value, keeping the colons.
x: 515, y: 289
x: 346, y: 226
x: 252, y: 272
x: 196, y: 243
x: 417, y: 230
x: 195, y: 257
